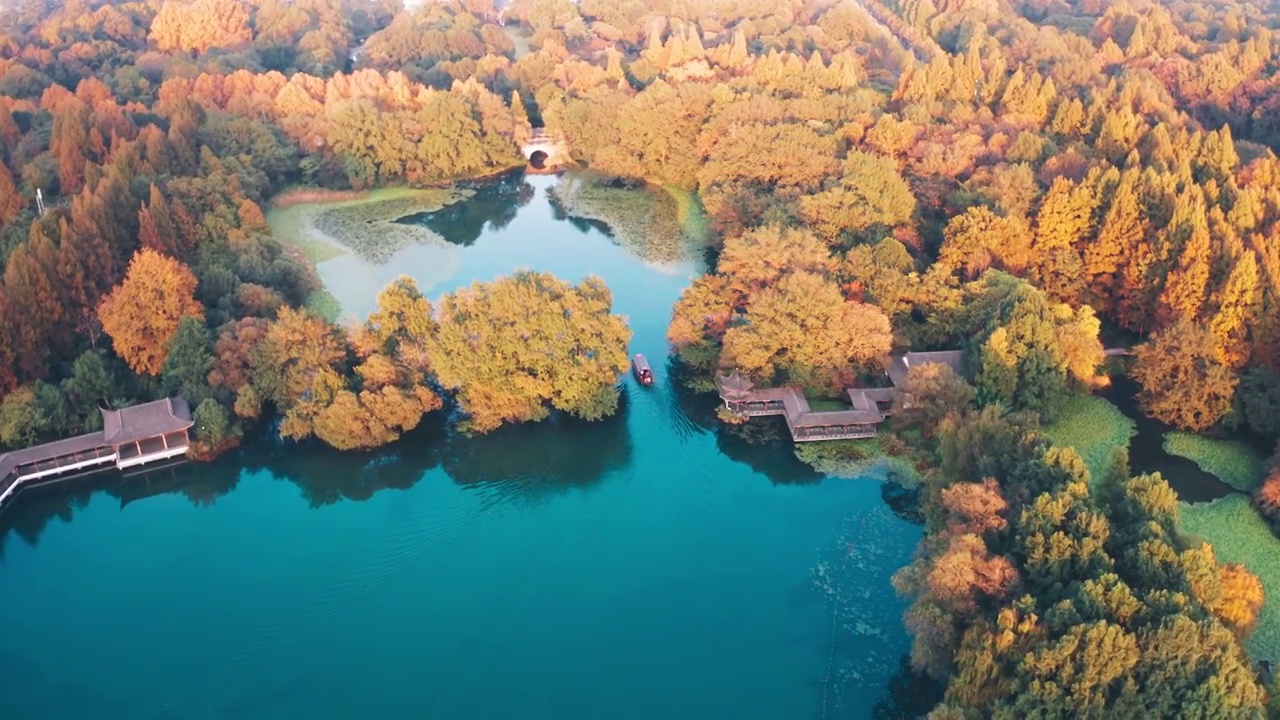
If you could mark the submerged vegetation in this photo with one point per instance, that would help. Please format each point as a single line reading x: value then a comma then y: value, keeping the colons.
x: 368, y: 226
x: 859, y: 459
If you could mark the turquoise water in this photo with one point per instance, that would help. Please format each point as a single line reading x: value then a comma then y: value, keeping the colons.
x: 649, y: 566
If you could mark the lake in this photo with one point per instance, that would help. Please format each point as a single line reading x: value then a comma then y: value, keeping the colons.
x: 648, y: 566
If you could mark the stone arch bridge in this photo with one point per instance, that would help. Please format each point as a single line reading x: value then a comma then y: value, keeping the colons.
x: 544, y: 152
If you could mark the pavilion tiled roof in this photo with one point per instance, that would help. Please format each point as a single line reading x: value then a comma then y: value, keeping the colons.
x: 146, y: 420
x: 734, y: 386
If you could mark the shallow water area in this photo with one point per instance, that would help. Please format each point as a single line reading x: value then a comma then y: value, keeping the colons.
x: 645, y: 566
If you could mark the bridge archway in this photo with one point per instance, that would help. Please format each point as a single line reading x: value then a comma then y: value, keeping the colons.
x: 543, y: 152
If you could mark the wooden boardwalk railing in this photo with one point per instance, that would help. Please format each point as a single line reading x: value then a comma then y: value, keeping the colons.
x: 870, y: 406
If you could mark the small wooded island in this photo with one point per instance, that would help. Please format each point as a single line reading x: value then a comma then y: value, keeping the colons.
x: 990, y: 185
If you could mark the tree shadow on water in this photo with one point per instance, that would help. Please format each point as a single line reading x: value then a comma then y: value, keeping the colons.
x: 326, y: 476
x: 528, y: 462
x: 200, y: 483
x: 30, y: 513
x: 493, y: 206
x: 908, y: 695
x: 533, y: 462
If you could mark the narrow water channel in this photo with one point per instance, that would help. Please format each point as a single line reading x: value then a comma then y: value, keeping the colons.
x: 1147, y: 453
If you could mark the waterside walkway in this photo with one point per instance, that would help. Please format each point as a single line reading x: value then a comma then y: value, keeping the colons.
x: 869, y: 406
x: 129, y: 437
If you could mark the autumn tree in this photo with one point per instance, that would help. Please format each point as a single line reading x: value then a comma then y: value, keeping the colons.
x: 805, y: 329
x: 233, y: 353
x: 1091, y: 625
x: 1267, y: 496
x: 517, y: 348
x: 1184, y: 382
x: 699, y: 320
x: 298, y: 365
x: 142, y: 314
x: 871, y: 194
x: 1239, y: 305
x: 931, y: 392
x: 759, y: 258
x: 393, y: 392
x: 978, y: 239
x: 11, y: 202
x: 1022, y: 361
x: 201, y: 25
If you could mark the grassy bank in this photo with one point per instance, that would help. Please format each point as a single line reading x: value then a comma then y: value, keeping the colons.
x: 1240, y: 535
x: 1094, y: 427
x: 1235, y: 463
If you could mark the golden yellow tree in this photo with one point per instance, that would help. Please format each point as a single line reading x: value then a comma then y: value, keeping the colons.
x: 394, y: 393
x: 297, y: 366
x: 1239, y: 305
x: 142, y: 313
x: 805, y: 328
x: 516, y: 348
x: 760, y: 258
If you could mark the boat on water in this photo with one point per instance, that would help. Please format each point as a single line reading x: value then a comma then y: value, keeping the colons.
x: 640, y: 367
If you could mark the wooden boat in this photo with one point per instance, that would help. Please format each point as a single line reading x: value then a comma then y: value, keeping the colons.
x: 643, y: 373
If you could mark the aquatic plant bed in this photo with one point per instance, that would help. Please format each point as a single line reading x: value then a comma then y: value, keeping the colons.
x: 329, y: 224
x: 1240, y: 535
x: 648, y: 224
x: 368, y: 225
x: 1094, y: 427
x: 1235, y: 463
x: 880, y: 457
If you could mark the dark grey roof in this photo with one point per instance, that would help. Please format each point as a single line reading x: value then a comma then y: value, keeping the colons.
x: 734, y: 386
x: 900, y: 364
x: 859, y: 400
x: 880, y: 394
x: 953, y: 358
x: 145, y: 421
x: 46, y: 451
x: 838, y: 417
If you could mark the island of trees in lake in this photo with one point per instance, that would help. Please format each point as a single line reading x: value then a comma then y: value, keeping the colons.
x: 1017, y: 179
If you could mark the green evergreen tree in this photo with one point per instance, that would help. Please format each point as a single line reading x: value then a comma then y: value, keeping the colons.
x: 186, y: 367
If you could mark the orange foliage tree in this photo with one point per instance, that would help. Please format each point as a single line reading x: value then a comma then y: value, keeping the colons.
x: 394, y: 393
x: 142, y: 313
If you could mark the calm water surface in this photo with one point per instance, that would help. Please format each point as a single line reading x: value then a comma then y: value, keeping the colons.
x: 643, y: 567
